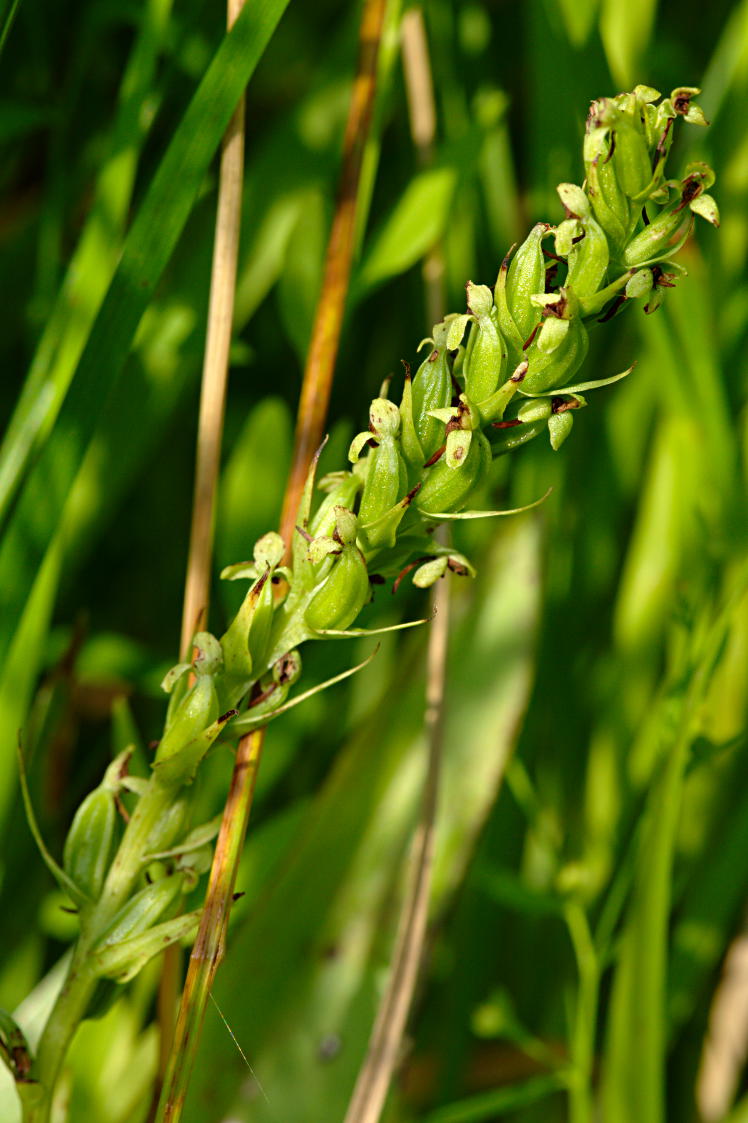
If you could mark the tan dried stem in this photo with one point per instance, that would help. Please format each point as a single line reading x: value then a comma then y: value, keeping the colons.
x: 207, y: 464
x: 215, y: 372
x: 328, y: 321
x: 419, y: 91
x: 315, y: 395
x: 375, y: 1075
x: 726, y: 1045
x: 209, y: 947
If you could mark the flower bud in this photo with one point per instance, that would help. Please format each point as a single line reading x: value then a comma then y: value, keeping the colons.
x: 429, y: 573
x: 559, y: 427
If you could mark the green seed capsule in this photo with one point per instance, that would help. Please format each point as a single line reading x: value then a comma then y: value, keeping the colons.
x: 91, y: 841
x: 432, y: 389
x: 587, y: 250
x: 143, y: 910
x: 609, y: 202
x: 260, y: 626
x: 526, y: 276
x: 551, y: 370
x: 632, y: 157
x: 447, y: 489
x: 666, y: 233
x: 337, y: 600
x: 171, y: 826
x: 386, y: 478
x: 655, y: 241
x: 486, y: 353
x: 410, y: 443
x: 198, y: 710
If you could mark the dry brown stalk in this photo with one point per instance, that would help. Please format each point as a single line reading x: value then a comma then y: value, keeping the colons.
x: 207, y: 462
x: 315, y: 395
x: 215, y: 372
x: 328, y: 321
x: 207, y: 465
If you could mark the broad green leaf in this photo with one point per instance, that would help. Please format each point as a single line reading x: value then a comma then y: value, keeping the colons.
x: 412, y: 228
x: 626, y: 31
x: 579, y: 17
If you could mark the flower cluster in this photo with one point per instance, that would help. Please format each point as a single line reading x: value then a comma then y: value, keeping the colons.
x: 493, y: 377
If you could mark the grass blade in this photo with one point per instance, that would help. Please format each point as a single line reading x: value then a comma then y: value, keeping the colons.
x: 146, y: 252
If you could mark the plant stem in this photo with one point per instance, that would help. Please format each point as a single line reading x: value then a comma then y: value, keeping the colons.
x: 328, y: 321
x: 315, y: 396
x: 215, y: 370
x: 71, y: 1003
x: 209, y: 437
x: 210, y: 943
x: 585, y: 1018
x: 66, y: 1015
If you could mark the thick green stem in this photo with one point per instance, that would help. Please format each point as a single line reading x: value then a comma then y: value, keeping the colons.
x: 128, y: 860
x: 67, y: 1013
x: 72, y: 1001
x: 581, y: 1102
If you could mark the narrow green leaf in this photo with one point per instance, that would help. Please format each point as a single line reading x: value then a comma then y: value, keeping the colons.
x: 488, y: 1104
x: 91, y: 268
x: 66, y: 883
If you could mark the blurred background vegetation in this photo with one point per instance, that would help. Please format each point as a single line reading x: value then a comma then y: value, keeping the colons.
x: 592, y: 864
